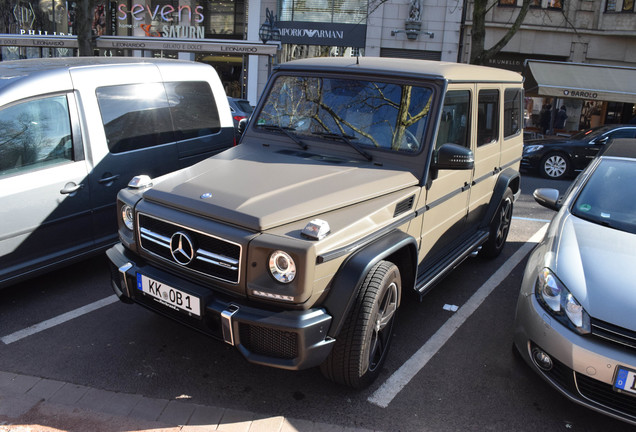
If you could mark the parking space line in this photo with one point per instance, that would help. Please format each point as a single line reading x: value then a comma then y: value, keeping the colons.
x: 383, y: 396
x: 60, y: 319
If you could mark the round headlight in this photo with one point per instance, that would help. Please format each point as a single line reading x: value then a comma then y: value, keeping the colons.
x: 282, y: 267
x: 127, y: 216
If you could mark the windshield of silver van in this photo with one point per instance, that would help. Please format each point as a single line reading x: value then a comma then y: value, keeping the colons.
x: 366, y: 113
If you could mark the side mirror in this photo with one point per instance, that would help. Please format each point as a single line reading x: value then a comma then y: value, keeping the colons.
x: 454, y: 157
x: 601, y: 141
x: 242, y: 125
x: 548, y: 198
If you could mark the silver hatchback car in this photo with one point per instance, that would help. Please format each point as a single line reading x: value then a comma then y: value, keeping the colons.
x: 575, y: 322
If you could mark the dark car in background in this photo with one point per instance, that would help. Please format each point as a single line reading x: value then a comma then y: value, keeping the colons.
x: 557, y: 158
x: 575, y: 321
x: 241, y: 109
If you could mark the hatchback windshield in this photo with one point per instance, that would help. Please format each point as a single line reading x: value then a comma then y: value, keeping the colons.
x: 368, y: 113
x: 609, y: 196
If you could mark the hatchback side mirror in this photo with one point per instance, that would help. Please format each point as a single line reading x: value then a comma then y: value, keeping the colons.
x: 548, y: 198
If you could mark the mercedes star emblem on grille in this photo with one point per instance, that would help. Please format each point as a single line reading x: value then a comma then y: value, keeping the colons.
x: 181, y: 248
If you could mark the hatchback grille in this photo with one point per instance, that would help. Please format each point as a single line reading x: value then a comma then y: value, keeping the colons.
x: 201, y: 253
x: 603, y: 394
x: 618, y: 335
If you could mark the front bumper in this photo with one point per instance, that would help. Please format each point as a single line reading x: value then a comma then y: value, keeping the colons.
x: 284, y: 339
x: 584, y: 366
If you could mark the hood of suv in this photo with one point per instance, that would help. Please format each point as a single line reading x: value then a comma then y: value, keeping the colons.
x: 262, y: 189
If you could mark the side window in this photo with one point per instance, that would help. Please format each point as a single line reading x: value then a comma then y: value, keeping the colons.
x: 487, y: 117
x: 193, y: 109
x: 512, y: 111
x: 35, y: 134
x: 454, y: 124
x: 623, y: 133
x: 135, y: 116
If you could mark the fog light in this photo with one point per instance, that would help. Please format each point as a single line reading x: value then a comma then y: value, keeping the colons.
x: 542, y: 359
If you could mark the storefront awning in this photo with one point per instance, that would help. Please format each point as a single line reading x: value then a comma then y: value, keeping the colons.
x: 580, y: 81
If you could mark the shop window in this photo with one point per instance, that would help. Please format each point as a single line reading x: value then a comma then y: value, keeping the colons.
x: 628, y: 5
x: 487, y: 117
x: 513, y: 99
x: 35, y: 134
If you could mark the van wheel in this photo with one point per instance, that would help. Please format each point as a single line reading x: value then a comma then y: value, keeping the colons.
x: 499, y: 227
x: 363, y: 343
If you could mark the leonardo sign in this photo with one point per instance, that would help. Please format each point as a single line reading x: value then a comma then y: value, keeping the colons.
x: 330, y: 34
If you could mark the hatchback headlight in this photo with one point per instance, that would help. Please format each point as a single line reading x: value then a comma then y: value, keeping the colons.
x: 127, y: 216
x: 560, y: 303
x: 282, y: 266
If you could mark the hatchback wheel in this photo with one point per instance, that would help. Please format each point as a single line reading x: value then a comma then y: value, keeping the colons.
x: 555, y: 166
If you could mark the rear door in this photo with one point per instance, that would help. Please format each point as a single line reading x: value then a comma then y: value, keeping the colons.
x: 130, y: 132
x: 44, y: 187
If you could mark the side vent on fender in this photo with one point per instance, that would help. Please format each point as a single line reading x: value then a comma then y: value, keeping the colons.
x: 404, y: 206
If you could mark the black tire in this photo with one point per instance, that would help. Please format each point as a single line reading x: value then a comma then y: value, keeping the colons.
x: 499, y: 227
x: 363, y: 343
x: 555, y: 166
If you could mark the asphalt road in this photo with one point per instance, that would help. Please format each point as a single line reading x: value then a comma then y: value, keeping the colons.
x: 470, y: 379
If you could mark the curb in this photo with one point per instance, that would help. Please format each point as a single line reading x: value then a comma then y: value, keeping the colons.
x: 32, y: 404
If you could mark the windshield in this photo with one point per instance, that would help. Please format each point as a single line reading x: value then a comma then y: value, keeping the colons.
x: 609, y: 196
x: 367, y: 113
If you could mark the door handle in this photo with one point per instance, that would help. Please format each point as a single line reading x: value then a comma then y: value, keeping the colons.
x: 110, y: 179
x: 71, y: 188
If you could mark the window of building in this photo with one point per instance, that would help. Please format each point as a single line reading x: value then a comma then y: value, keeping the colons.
x: 325, y: 11
x: 513, y: 100
x: 555, y: 4
x: 35, y: 134
x: 507, y: 2
x: 454, y: 124
x: 487, y: 117
x: 628, y: 5
x: 610, y: 6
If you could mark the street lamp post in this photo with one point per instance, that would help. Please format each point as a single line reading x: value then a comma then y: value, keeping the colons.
x: 269, y: 32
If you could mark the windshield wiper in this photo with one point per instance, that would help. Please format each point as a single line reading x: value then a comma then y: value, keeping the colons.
x: 346, y: 139
x: 286, y: 130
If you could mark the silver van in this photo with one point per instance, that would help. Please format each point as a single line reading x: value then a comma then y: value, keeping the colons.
x: 74, y: 131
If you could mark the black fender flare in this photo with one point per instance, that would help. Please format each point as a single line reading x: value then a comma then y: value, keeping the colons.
x: 348, y: 280
x: 508, y: 178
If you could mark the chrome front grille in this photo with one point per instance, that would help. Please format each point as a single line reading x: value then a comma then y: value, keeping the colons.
x: 615, y: 334
x: 191, y: 249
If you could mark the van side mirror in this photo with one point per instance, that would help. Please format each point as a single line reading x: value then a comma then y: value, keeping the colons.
x: 242, y: 125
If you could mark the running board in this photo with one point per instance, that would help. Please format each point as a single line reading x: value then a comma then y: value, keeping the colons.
x: 432, y: 276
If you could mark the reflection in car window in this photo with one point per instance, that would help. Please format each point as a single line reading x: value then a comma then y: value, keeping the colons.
x: 34, y: 134
x: 487, y: 117
x: 455, y: 124
x: 370, y: 113
x: 135, y: 116
x: 609, y: 196
x: 513, y: 103
x: 193, y: 109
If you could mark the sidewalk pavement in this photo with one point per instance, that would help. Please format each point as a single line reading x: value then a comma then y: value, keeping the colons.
x: 32, y: 404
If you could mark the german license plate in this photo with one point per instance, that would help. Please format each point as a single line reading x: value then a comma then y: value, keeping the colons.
x: 169, y: 296
x: 625, y: 380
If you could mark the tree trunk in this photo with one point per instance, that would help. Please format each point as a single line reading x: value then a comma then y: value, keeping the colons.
x: 84, y: 20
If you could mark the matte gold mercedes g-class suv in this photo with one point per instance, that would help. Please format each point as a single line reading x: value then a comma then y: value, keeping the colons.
x: 356, y: 180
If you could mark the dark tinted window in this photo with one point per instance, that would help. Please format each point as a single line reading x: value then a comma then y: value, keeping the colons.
x: 488, y: 117
x: 34, y: 134
x: 135, y: 116
x: 193, y: 109
x: 512, y: 111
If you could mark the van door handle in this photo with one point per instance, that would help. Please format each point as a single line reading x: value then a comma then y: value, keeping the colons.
x: 70, y: 188
x: 110, y: 179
